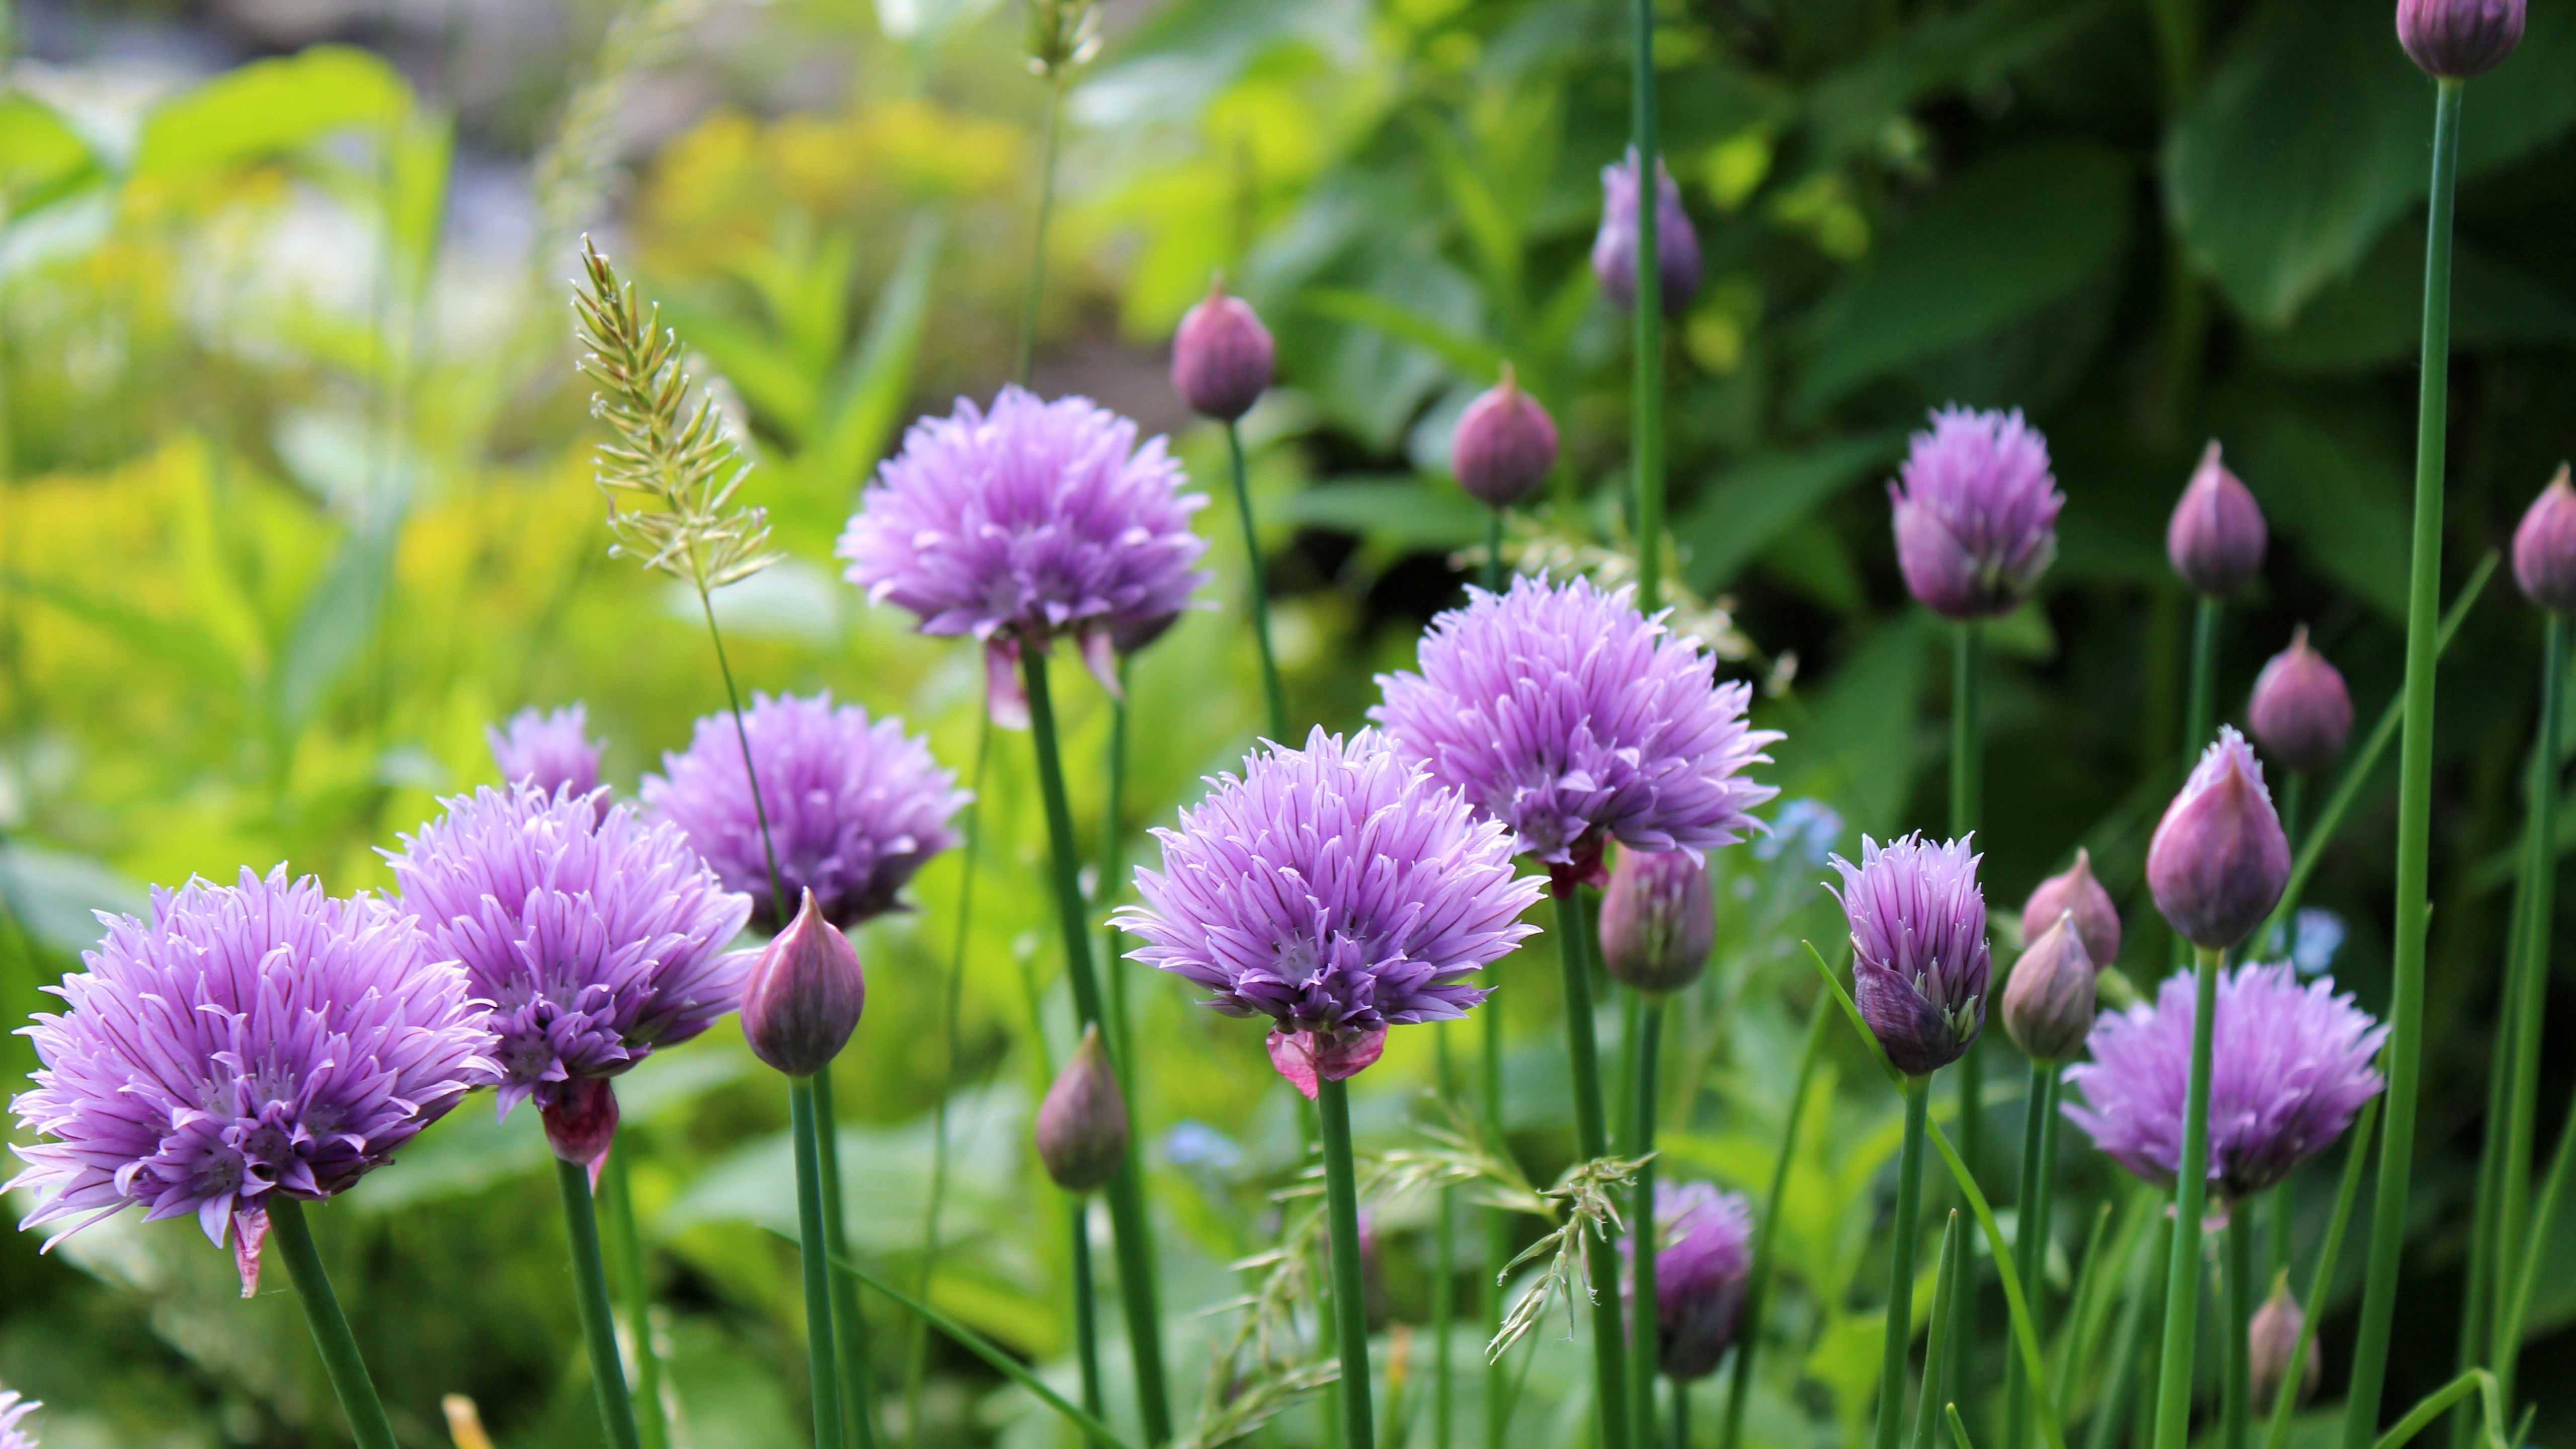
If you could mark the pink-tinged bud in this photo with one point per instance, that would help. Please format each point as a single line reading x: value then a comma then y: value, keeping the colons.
x: 1657, y: 921
x: 1504, y: 445
x: 2219, y: 859
x: 804, y: 995
x: 581, y: 1121
x: 2457, y: 39
x: 2544, y: 547
x: 1304, y: 1057
x: 1221, y: 357
x: 1082, y: 1124
x: 1614, y: 247
x: 2270, y: 1340
x: 2048, y: 1002
x: 2216, y: 537
x: 2076, y: 892
x: 2300, y: 713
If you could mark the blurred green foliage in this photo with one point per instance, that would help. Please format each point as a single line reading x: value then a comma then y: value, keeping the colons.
x: 295, y: 496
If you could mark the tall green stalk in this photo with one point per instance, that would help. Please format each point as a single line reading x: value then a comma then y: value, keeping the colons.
x: 2191, y: 1200
x: 1113, y: 879
x: 1257, y: 574
x: 1350, y: 1302
x: 2321, y: 1278
x: 1038, y: 245
x: 1646, y: 451
x: 2414, y: 798
x: 1592, y: 1137
x: 822, y: 1362
x: 1967, y: 813
x: 2236, y: 1377
x: 1900, y: 1265
x: 1444, y: 1269
x: 1645, y: 1326
x: 2531, y: 1000
x: 849, y: 1324
x: 598, y: 1319
x: 1130, y: 1228
x: 1086, y: 1304
x: 651, y: 1428
x: 341, y: 1362
x: 1757, y: 1280
x: 2131, y: 1355
x: 2030, y: 1233
x: 2200, y: 705
x: 1498, y: 1229
x: 1945, y: 1287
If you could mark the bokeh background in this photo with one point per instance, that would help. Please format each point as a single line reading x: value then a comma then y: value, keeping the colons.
x: 294, y: 497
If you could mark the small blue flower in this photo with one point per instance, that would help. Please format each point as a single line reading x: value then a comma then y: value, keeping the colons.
x: 1197, y: 1145
x: 1815, y: 827
x: 2316, y: 935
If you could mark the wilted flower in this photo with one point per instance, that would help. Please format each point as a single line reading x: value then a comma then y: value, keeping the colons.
x: 2048, y: 1000
x: 2272, y: 1337
x: 13, y: 1413
x: 855, y: 807
x: 1504, y: 444
x: 2076, y: 892
x: 802, y: 997
x: 1702, y: 1250
x: 2544, y: 547
x: 1221, y: 356
x: 596, y: 937
x: 2300, y: 713
x: 2458, y: 39
x: 2219, y: 859
x: 248, y: 1039
x: 1334, y: 889
x: 1082, y: 1123
x: 1976, y: 513
x: 1034, y: 520
x: 1919, y: 959
x: 1614, y: 247
x: 2216, y: 537
x: 1657, y: 920
x: 2289, y: 1066
x: 548, y: 748
x: 1570, y: 717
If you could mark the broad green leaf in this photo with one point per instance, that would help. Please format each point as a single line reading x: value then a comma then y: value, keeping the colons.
x: 269, y: 107
x: 1470, y: 355
x: 1747, y: 506
x: 1411, y: 514
x: 2375, y: 317
x: 759, y: 365
x: 41, y: 156
x: 2341, y: 501
x: 338, y: 621
x: 1856, y: 743
x: 51, y: 894
x: 879, y: 374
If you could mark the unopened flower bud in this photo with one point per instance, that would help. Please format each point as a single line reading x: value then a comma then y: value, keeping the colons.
x: 2219, y: 859
x: 1614, y: 248
x: 803, y: 997
x: 2076, y: 892
x: 2216, y: 538
x: 1082, y: 1124
x: 2300, y: 714
x: 2544, y: 547
x: 548, y: 748
x: 580, y: 1117
x: 2270, y: 1340
x: 1504, y: 445
x: 2457, y: 39
x: 2048, y: 1002
x: 1221, y: 357
x: 1306, y: 1056
x: 1657, y: 921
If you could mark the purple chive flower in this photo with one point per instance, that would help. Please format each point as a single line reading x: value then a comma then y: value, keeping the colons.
x: 13, y: 1412
x: 1564, y: 713
x: 1614, y: 247
x: 1504, y: 444
x: 2074, y: 891
x: 1703, y: 1247
x: 2458, y: 39
x: 2290, y: 1065
x: 2215, y: 539
x: 2300, y: 711
x: 249, y: 1039
x: 855, y: 807
x: 596, y: 937
x: 1033, y: 520
x: 2219, y: 860
x: 549, y: 748
x: 1336, y: 890
x: 1976, y: 513
x: 1221, y: 356
x: 1919, y: 960
x: 2544, y: 547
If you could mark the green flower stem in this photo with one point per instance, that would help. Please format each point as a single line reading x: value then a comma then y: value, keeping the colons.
x: 2414, y: 799
x: 1493, y: 575
x: 1120, y: 1026
x: 917, y: 1352
x: 2281, y: 1219
x: 1945, y: 1284
x: 1130, y: 1228
x: 1086, y: 1305
x: 1498, y: 1231
x: 598, y: 1320
x: 1038, y: 242
x: 1681, y: 1412
x: 651, y: 1428
x: 849, y: 1326
x: 2517, y: 1299
x: 1900, y: 1263
x: 1444, y: 1269
x: 1350, y: 1303
x: 2294, y: 803
x: 2236, y: 1376
x: 1967, y: 813
x: 1645, y: 1326
x: 2199, y: 705
x: 823, y: 1362
x: 2191, y: 1199
x: 1258, y: 574
x: 2030, y: 1231
x: 2277, y: 1432
x: 2130, y: 1353
x: 339, y: 1348
x: 1646, y: 451
x: 1592, y: 1138
x: 1757, y: 1280
x: 2540, y: 875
